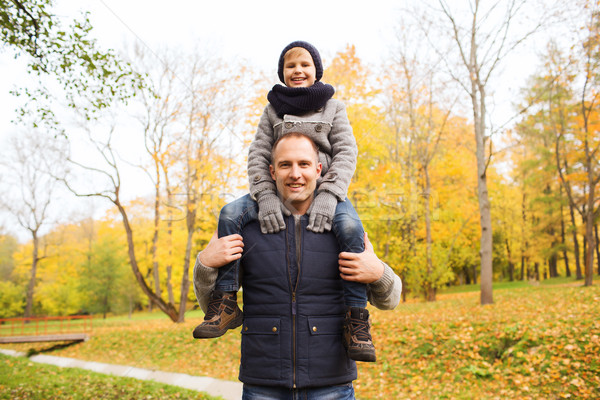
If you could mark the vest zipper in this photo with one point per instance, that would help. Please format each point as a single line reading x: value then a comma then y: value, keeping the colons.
x: 298, y: 240
x: 294, y: 336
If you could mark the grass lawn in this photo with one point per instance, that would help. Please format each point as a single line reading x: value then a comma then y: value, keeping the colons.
x: 534, y: 342
x: 26, y: 380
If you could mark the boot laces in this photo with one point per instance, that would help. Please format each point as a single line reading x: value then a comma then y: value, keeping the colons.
x: 213, y: 307
x: 361, y: 329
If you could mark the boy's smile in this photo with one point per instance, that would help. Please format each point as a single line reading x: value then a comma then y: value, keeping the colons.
x: 298, y: 68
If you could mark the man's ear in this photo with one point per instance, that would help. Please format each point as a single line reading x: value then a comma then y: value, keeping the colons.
x: 272, y: 171
x: 319, y: 168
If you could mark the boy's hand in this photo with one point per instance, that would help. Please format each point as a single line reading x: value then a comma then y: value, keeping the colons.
x: 321, y: 212
x: 270, y: 215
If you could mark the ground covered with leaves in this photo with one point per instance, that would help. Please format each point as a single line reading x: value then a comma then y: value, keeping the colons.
x: 535, y: 342
x: 21, y: 379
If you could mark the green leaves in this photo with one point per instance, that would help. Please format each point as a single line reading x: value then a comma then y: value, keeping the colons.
x: 89, y: 78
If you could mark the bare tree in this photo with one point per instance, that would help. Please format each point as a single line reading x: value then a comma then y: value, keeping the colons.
x: 159, y: 114
x: 480, y: 43
x: 31, y: 164
x: 587, y: 54
x: 110, y: 173
x: 212, y: 116
x: 426, y: 123
x: 186, y: 128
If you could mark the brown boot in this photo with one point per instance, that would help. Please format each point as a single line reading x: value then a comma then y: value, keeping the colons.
x: 223, y: 314
x: 357, y: 337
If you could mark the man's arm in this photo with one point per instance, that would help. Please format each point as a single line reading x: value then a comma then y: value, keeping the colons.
x: 217, y: 253
x: 384, y: 286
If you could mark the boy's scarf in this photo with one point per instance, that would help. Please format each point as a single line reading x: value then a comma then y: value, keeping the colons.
x: 298, y: 101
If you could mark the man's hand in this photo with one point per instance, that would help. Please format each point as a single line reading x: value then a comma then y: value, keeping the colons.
x: 221, y: 251
x: 362, y: 267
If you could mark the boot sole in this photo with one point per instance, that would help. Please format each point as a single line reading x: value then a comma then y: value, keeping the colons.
x: 364, y: 356
x: 208, y: 333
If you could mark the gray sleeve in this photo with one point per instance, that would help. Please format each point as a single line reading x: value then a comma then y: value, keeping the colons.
x: 204, y: 282
x: 259, y: 157
x: 343, y: 155
x: 385, y: 292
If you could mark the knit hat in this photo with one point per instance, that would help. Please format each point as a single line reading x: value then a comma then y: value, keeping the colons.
x: 314, y: 53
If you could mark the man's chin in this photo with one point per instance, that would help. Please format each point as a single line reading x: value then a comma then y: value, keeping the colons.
x: 297, y: 203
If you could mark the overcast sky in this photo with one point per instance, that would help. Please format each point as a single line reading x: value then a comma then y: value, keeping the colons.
x: 252, y: 30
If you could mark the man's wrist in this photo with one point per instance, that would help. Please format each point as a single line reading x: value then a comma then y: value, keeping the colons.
x: 386, y: 278
x: 203, y: 261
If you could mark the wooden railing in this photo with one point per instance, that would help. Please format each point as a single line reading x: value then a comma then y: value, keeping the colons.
x: 45, y: 329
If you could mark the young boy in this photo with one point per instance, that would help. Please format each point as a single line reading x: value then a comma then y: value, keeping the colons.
x: 303, y: 105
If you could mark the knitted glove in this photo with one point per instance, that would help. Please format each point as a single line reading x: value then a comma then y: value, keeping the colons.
x: 270, y: 214
x: 321, y: 212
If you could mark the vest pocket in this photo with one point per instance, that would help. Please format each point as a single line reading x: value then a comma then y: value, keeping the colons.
x: 261, y: 348
x: 327, y: 355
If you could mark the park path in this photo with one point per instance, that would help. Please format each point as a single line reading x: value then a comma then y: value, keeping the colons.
x: 215, y: 387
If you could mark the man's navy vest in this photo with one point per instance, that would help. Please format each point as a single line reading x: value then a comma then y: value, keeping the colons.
x: 293, y: 309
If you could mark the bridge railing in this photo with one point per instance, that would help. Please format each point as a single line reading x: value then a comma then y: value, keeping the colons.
x: 45, y: 327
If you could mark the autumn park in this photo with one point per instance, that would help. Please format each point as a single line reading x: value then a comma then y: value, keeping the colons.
x: 477, y: 181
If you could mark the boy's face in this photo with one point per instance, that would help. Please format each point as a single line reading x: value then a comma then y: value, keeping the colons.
x: 298, y: 68
x: 295, y: 169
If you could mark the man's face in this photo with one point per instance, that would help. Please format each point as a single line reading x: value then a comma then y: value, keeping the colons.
x: 295, y: 169
x: 298, y: 68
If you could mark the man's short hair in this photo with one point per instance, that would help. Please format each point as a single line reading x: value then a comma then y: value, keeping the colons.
x: 297, y: 135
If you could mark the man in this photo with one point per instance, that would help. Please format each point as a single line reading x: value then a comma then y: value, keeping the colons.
x: 293, y: 297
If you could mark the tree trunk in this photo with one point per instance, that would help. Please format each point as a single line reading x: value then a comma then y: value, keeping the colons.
x: 185, y: 281
x: 154, y: 249
x: 511, y: 265
x: 552, y: 266
x: 168, y: 309
x: 597, y: 248
x: 169, y: 285
x: 169, y: 282
x: 578, y: 274
x: 191, y: 227
x: 563, y: 238
x: 32, y: 275
x: 591, y: 245
x: 430, y: 289
x: 105, y: 305
x: 484, y: 210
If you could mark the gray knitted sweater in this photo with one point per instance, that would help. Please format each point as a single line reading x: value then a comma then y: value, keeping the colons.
x: 328, y: 127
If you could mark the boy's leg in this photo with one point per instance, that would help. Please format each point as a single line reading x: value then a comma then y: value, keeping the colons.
x: 351, y: 238
x: 232, y: 219
x: 223, y: 312
x: 357, y: 336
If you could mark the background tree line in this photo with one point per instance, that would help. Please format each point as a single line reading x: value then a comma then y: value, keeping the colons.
x: 447, y: 196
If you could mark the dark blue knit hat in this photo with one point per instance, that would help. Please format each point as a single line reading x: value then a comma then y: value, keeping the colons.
x: 313, y: 52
